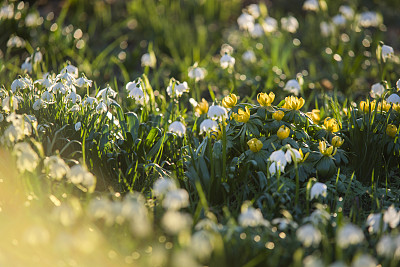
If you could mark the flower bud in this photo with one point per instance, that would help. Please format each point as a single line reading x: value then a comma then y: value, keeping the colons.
x: 283, y: 132
x: 278, y: 115
x: 229, y: 101
x: 265, y: 99
x: 255, y: 145
x: 391, y: 130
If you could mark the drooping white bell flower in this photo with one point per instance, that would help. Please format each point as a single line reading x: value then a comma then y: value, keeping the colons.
x: 308, y: 235
x: 227, y: 61
x: 196, y: 73
x: 292, y: 86
x: 270, y: 24
x: 387, y: 52
x: 178, y: 128
x: 216, y: 112
x: 339, y: 20
x: 149, y: 60
x: 208, y: 126
x: 245, y: 21
x: 311, y: 5
x: 249, y: 56
x: 290, y: 24
x: 349, y: 234
x: 377, y: 90
x: 393, y: 99
x: 27, y: 65
x: 346, y: 11
x: 177, y: 89
x: 318, y: 189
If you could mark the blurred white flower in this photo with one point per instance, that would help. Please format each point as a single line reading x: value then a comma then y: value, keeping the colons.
x: 38, y: 104
x: 387, y: 52
x: 391, y: 217
x: 393, y: 99
x: 311, y: 5
x: 79, y: 175
x: 292, y: 86
x: 56, y: 167
x: 202, y: 245
x: 346, y: 11
x: 178, y: 128
x: 216, y: 112
x: 176, y: 199
x: 174, y: 222
x: 249, y: 56
x: 7, y: 11
x: 27, y: 65
x: 27, y: 159
x: 208, y: 126
x: 83, y: 82
x: 70, y: 69
x: 251, y: 217
x: 318, y: 189
x: 10, y: 103
x: 338, y: 264
x: 17, y: 130
x: 386, y: 246
x: 327, y: 29
x: 398, y: 85
x: 257, y: 31
x: 318, y: 216
x: 32, y: 19
x: 15, y: 41
x: 289, y: 24
x: 102, y: 209
x: 374, y: 223
x: 283, y: 223
x: 377, y: 89
x: 245, y: 21
x: 196, y: 73
x: 162, y: 186
x: 227, y: 61
x: 308, y: 235
x: 37, y: 57
x: 149, y: 59
x: 36, y: 235
x: 349, y: 234
x: 78, y: 126
x: 369, y: 19
x: 270, y: 25
x: 254, y: 10
x: 18, y: 84
x: 364, y: 260
x: 312, y: 261
x: 177, y: 89
x: 339, y: 20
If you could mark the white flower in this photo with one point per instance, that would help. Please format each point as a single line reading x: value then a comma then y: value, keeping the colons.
x: 292, y: 153
x: 377, y: 90
x: 135, y: 91
x: 349, y: 234
x: 270, y: 25
x: 31, y: 19
x: 106, y: 92
x: 327, y: 29
x: 101, y: 107
x: 289, y: 24
x: 79, y: 175
x: 374, y: 223
x: 208, y: 125
x: 369, y: 19
x: 393, y: 99
x: 27, y: 159
x: 56, y: 167
x: 38, y: 104
x: 250, y: 216
x: 386, y: 246
x: 387, y: 52
x: 283, y: 223
x: 245, y: 21
x: 276, y: 167
x: 83, y: 81
x: 339, y: 20
x: 308, y: 235
x: 162, y: 186
x: 174, y: 222
x: 78, y: 126
x: 279, y: 157
x: 27, y: 65
x: 73, y: 97
x: 178, y: 89
x: 318, y: 189
x: 346, y: 11
x: 216, y: 112
x: 59, y: 87
x: 312, y: 261
x: 18, y: 84
x: 398, y: 84
x: 149, y: 59
x: 75, y: 108
x: 90, y: 101
x: 7, y: 11
x: 196, y: 73
x: 37, y: 57
x: 318, y: 216
x: 47, y: 96
x: 227, y: 61
x: 15, y: 41
x: 46, y: 81
x: 249, y: 56
x: 178, y: 128
x: 254, y: 10
x: 257, y: 31
x: 202, y: 244
x: 293, y: 87
x: 176, y: 199
x: 391, y: 217
x: 70, y: 69
x: 10, y: 103
x: 311, y: 5
x: 364, y: 260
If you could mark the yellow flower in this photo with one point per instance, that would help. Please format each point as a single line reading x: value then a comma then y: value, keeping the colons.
x: 255, y: 145
x: 315, y: 115
x: 337, y: 141
x: 292, y: 102
x: 265, y: 99
x: 303, y: 157
x: 229, y: 101
x: 330, y: 151
x: 366, y: 106
x: 283, y: 132
x: 331, y: 125
x: 383, y: 106
x: 396, y: 107
x: 216, y: 134
x: 391, y: 130
x: 242, y: 115
x: 278, y: 115
x: 202, y: 107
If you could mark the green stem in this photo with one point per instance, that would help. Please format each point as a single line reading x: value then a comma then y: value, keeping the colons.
x: 223, y: 152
